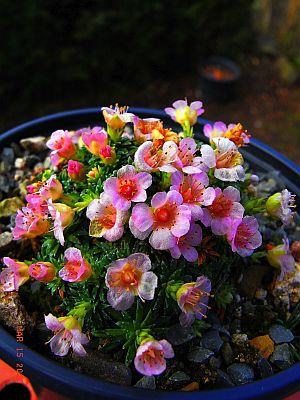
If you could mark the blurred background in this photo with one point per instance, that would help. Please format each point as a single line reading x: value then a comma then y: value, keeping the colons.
x: 58, y: 55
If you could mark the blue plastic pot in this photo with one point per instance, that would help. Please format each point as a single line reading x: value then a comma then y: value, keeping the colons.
x: 45, y: 373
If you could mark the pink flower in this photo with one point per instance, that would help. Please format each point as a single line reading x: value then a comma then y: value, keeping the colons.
x: 76, y: 171
x: 280, y: 257
x: 226, y: 160
x: 185, y: 244
x: 62, y: 216
x: 183, y: 113
x: 192, y: 299
x: 106, y: 220
x: 95, y: 140
x: 62, y: 145
x: 128, y: 186
x: 218, y: 129
x: 15, y: 275
x: 76, y: 268
x: 244, y: 236
x: 194, y: 191
x: 223, y: 210
x: 143, y: 128
x: 151, y: 357
x: 167, y: 219
x: 67, y: 333
x: 51, y: 189
x: 30, y: 224
x: 130, y: 277
x: 186, y: 160
x: 234, y: 132
x: 107, y: 154
x: 42, y: 271
x: 151, y: 158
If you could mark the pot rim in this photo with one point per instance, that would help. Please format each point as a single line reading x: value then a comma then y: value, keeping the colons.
x: 46, y: 372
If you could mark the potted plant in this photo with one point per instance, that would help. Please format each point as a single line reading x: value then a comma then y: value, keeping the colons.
x: 147, y: 245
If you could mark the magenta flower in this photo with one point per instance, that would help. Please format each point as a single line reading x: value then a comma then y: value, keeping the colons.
x: 128, y: 186
x: 186, y: 244
x: 42, y: 271
x: 15, y: 275
x: 244, y: 236
x: 106, y: 220
x: 226, y: 160
x: 280, y: 257
x: 167, y: 219
x: 224, y: 208
x: 76, y: 268
x: 218, y: 129
x: 151, y: 357
x: 130, y: 277
x: 194, y: 191
x: 76, y: 171
x: 67, y: 333
x: 95, y: 140
x: 183, y: 113
x: 30, y: 224
x: 280, y: 205
x: 62, y: 145
x: 151, y: 158
x: 192, y: 298
x: 51, y: 189
x: 62, y: 216
x: 186, y: 162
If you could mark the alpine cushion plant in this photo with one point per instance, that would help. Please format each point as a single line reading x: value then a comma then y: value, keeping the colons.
x: 136, y: 231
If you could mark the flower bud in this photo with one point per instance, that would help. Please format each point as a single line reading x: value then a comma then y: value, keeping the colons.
x: 76, y: 171
x: 42, y: 271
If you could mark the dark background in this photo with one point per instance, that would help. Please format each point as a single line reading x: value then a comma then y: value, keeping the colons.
x: 59, y: 55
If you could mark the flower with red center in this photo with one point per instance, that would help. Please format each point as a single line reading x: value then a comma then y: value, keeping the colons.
x: 186, y: 162
x: 167, y: 219
x: 42, y: 271
x: 62, y: 216
x: 106, y: 220
x: 194, y: 191
x: 226, y: 160
x: 76, y: 268
x: 143, y: 128
x: 182, y: 113
x: 151, y: 158
x: 76, y: 171
x: 95, y: 140
x: 30, y: 222
x: 223, y: 210
x: 192, y: 298
x: 244, y: 236
x: 128, y: 186
x: 15, y: 275
x: 130, y: 277
x: 107, y: 154
x: 61, y: 145
x: 234, y: 132
x: 280, y: 257
x: 151, y: 356
x: 67, y: 333
x: 186, y: 244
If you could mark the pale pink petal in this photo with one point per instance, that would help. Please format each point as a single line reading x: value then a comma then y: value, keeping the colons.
x: 208, y: 196
x: 182, y: 224
x: 162, y: 239
x: 233, y: 174
x: 147, y: 285
x: 141, y: 260
x: 175, y: 252
x: 173, y: 197
x: 179, y: 104
x: 232, y: 193
x: 208, y: 155
x: 111, y: 185
x: 128, y: 171
x: 189, y: 253
x: 142, y: 217
x: 115, y: 233
x: 73, y: 254
x: 167, y: 349
x: 53, y: 323
x: 137, y: 233
x: 220, y: 226
x: 58, y: 345
x: 144, y: 179
x: 120, y: 300
x: 159, y: 199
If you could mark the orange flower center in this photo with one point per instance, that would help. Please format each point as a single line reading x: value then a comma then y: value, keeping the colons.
x: 191, y: 190
x: 108, y: 219
x: 220, y: 207
x: 127, y: 188
x: 128, y: 277
x: 163, y: 215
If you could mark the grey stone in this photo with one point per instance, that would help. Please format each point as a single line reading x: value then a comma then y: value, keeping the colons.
x: 215, y: 362
x: 31, y: 160
x: 200, y: 354
x: 281, y: 356
x: 211, y: 340
x: 34, y: 144
x: 227, y: 353
x: 177, y: 335
x: 20, y: 163
x: 241, y: 373
x: 147, y: 382
x: 265, y: 368
x: 98, y: 365
x: 4, y: 184
x: 279, y: 334
x: 239, y: 339
x: 223, y: 380
x: 252, y: 279
x: 8, y: 155
x: 179, y: 377
x: 6, y: 239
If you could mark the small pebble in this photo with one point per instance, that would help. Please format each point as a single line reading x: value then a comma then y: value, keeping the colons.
x: 192, y: 387
x: 241, y: 373
x: 179, y: 377
x: 34, y: 144
x: 280, y: 334
x: 227, y: 353
x: 177, y: 335
x: 281, y: 356
x: 223, y: 380
x: 211, y: 340
x: 199, y: 354
x: 20, y: 163
x: 147, y: 382
x: 265, y: 368
x: 239, y: 338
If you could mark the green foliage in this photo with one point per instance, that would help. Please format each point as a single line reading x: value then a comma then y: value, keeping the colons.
x: 224, y: 295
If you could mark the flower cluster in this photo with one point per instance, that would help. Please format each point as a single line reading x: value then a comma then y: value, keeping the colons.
x: 142, y: 208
